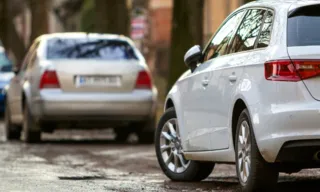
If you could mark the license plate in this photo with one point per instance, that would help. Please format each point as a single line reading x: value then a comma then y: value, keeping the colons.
x: 109, y: 81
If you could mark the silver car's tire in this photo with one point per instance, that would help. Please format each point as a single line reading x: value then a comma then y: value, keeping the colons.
x: 31, y: 130
x: 254, y: 173
x: 146, y: 131
x: 122, y: 134
x: 13, y: 132
x: 170, y: 153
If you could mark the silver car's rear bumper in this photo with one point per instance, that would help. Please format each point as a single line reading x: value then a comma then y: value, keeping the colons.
x: 139, y: 104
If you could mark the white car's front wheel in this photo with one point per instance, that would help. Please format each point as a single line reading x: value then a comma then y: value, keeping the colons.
x: 254, y: 173
x: 170, y: 153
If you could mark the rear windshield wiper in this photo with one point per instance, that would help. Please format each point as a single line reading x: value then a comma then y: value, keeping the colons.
x: 77, y: 47
x: 114, y: 44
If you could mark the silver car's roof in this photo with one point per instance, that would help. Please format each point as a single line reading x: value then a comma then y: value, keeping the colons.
x: 78, y: 35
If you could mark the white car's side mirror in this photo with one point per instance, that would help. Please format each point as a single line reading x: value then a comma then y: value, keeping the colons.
x: 193, y: 57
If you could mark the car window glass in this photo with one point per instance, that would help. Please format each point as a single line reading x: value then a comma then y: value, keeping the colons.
x: 265, y: 35
x: 33, y: 57
x: 90, y: 48
x: 304, y: 26
x: 26, y: 59
x: 25, y: 62
x: 218, y: 45
x: 248, y: 31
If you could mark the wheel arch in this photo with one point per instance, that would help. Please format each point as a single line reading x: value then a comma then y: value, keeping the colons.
x: 168, y: 104
x: 238, y: 107
x: 25, y: 96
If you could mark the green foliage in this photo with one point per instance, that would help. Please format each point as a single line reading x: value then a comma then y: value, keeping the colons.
x: 87, y: 18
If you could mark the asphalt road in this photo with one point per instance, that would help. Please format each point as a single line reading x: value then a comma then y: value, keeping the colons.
x: 91, y: 161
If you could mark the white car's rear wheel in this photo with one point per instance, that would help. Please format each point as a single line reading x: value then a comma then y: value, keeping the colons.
x: 170, y: 153
x: 253, y: 172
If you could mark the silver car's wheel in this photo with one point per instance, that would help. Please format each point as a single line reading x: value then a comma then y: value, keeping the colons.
x: 244, y: 151
x: 31, y: 129
x: 12, y: 131
x: 171, y: 149
x: 170, y: 153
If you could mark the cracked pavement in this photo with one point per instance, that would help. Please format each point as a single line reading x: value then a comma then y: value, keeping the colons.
x: 89, y: 160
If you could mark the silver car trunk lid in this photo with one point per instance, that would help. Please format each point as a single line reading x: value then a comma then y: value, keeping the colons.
x: 89, y: 75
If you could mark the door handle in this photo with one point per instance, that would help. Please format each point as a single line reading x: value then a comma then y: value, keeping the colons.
x: 232, y: 78
x: 205, y: 82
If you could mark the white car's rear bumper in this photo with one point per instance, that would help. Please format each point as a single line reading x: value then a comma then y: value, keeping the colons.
x: 294, y: 127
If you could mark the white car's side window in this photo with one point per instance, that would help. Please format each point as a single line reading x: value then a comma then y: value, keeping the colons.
x: 218, y: 45
x: 265, y: 34
x: 248, y: 31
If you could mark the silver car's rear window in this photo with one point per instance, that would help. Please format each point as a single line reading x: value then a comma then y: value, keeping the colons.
x: 304, y: 26
x: 86, y: 48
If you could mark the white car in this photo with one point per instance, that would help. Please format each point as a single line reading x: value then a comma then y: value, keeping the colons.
x: 251, y: 97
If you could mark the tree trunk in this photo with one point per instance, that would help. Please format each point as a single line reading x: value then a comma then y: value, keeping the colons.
x: 9, y: 36
x: 39, y: 18
x: 187, y: 30
x: 112, y: 16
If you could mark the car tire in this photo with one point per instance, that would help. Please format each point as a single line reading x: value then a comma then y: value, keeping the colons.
x: 31, y: 129
x: 146, y: 131
x: 254, y: 173
x: 13, y: 132
x: 188, y: 170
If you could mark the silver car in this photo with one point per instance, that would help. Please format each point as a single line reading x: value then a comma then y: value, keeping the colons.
x: 81, y: 80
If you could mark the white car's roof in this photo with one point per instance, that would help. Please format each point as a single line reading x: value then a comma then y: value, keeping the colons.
x: 276, y: 4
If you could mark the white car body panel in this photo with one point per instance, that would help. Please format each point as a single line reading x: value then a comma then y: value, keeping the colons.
x: 279, y: 112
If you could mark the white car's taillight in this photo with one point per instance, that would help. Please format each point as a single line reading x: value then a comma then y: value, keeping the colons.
x: 291, y: 70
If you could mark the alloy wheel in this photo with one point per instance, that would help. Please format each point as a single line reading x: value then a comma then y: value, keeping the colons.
x: 171, y: 148
x: 244, y: 152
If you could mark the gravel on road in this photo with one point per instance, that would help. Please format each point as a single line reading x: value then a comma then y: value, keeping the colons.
x: 91, y: 161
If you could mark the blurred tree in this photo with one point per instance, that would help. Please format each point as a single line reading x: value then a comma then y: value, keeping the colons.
x: 9, y: 36
x: 66, y: 10
x: 112, y: 16
x: 39, y: 18
x: 187, y: 30
x: 88, y: 23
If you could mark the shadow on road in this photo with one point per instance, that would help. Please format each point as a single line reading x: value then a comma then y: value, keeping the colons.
x: 88, y: 142
x: 300, y: 184
x: 212, y: 183
x: 82, y: 141
x: 286, y: 183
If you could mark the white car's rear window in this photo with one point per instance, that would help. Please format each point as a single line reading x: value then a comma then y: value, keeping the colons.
x: 304, y: 26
